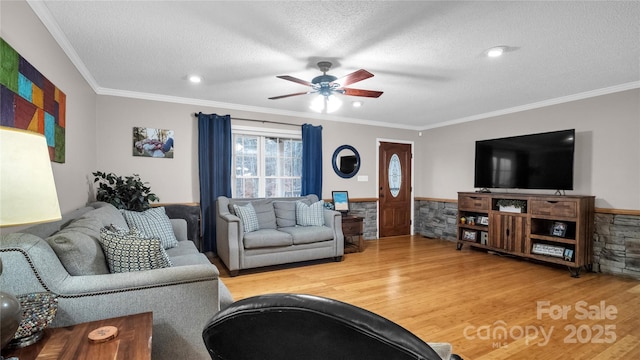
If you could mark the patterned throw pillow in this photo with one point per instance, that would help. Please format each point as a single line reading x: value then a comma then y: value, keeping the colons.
x: 310, y: 215
x: 153, y: 223
x: 129, y: 251
x: 248, y: 217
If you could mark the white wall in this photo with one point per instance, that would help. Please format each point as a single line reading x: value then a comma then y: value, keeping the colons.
x: 22, y: 29
x: 176, y: 180
x: 607, y: 157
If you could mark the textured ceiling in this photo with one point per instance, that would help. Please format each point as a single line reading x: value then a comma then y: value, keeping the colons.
x: 427, y: 56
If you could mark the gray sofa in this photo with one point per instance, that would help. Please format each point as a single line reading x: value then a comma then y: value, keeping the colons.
x: 182, y: 297
x: 279, y: 239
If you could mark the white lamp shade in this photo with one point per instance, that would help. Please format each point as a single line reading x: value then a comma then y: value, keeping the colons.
x: 27, y: 188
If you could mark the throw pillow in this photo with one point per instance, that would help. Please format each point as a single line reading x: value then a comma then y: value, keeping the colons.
x: 128, y: 251
x: 248, y: 217
x: 285, y: 213
x: 153, y: 223
x: 78, y: 247
x: 310, y: 215
x: 265, y: 213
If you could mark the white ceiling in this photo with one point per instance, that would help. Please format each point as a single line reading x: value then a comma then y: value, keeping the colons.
x: 427, y: 56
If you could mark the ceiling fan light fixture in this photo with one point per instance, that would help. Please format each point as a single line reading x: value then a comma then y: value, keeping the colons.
x: 195, y: 79
x: 333, y: 103
x: 356, y: 104
x: 325, y: 104
x: 317, y: 104
x: 496, y: 51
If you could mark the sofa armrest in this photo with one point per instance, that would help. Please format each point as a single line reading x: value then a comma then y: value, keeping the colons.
x: 229, y: 235
x: 89, y: 285
x: 333, y: 219
x: 180, y: 229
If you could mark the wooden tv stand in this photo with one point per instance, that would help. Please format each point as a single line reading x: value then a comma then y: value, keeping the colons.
x: 550, y: 228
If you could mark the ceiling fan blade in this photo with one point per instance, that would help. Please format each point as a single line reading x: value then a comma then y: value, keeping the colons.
x: 294, y: 79
x: 288, y: 95
x: 354, y: 77
x: 359, y: 92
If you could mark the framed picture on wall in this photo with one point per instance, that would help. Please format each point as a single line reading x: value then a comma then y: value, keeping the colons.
x: 149, y: 142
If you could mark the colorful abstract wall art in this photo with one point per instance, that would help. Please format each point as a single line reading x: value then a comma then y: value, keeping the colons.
x: 29, y: 101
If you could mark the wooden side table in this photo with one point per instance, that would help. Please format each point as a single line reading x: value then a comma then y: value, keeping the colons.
x: 352, y: 228
x: 132, y: 343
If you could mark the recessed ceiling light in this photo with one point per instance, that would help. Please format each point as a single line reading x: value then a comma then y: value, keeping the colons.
x: 496, y: 51
x: 195, y: 79
x: 356, y: 104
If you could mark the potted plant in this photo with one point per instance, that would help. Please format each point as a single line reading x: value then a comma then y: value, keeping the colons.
x: 511, y: 205
x: 128, y: 193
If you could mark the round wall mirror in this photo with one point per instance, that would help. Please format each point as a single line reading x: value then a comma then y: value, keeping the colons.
x: 346, y: 161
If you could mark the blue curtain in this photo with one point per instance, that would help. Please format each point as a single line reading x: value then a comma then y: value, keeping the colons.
x: 311, y: 160
x: 214, y: 160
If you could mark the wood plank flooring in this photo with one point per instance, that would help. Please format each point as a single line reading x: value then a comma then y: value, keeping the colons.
x: 487, y: 306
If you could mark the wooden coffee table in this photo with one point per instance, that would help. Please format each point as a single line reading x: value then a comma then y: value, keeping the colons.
x: 132, y: 343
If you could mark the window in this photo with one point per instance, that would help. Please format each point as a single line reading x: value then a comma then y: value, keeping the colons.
x: 266, y: 163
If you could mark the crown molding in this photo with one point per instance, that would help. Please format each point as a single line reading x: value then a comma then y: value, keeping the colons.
x: 43, y: 13
x: 541, y: 104
x: 240, y: 107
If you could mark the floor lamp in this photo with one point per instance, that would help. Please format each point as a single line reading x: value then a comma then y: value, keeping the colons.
x: 27, y: 196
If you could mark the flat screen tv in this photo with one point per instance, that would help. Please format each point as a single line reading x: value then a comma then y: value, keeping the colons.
x: 534, y: 161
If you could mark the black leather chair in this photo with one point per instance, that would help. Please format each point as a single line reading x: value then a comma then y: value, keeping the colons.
x: 305, y: 327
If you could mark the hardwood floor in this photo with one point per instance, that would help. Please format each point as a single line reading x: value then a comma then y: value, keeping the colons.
x: 485, y: 305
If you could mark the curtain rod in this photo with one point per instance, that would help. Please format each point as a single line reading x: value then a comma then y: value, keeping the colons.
x: 255, y: 120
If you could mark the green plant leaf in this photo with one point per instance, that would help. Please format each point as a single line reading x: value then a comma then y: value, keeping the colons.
x: 129, y: 193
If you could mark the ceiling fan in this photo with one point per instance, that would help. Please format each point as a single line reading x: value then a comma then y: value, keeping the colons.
x: 327, y: 85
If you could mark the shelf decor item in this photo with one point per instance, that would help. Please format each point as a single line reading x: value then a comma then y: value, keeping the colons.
x: 469, y: 235
x: 559, y: 229
x: 484, y: 238
x: 549, y: 250
x: 27, y: 196
x: 483, y: 220
x: 511, y: 205
x: 568, y: 255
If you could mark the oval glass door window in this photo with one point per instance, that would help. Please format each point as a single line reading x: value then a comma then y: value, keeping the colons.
x: 395, y: 175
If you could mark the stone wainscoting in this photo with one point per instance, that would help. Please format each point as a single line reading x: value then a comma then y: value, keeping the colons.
x: 436, y: 219
x: 616, y: 239
x: 616, y: 244
x: 368, y: 209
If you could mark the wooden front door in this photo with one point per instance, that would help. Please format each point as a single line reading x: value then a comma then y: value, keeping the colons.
x: 394, y: 177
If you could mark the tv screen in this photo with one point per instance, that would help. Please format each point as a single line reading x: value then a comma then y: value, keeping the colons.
x: 534, y: 161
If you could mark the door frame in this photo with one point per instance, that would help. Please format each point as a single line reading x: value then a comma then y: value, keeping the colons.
x: 413, y: 188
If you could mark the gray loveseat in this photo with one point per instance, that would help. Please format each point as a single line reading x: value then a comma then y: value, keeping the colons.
x: 279, y: 239
x: 182, y: 297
